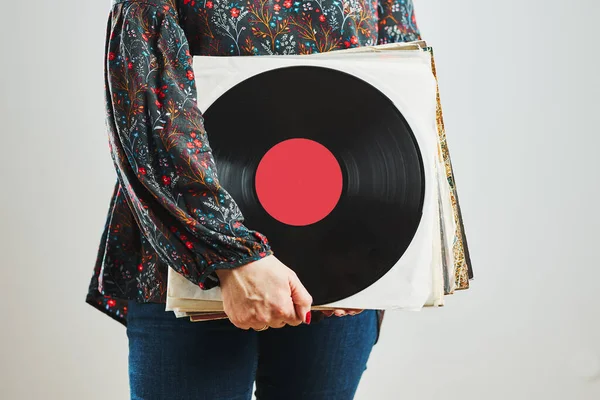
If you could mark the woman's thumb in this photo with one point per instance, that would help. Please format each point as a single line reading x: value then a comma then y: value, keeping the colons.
x: 301, y: 298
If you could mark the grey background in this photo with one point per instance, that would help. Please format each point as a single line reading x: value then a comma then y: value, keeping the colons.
x: 519, y: 87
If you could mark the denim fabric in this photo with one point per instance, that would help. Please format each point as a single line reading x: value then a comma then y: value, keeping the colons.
x: 171, y: 358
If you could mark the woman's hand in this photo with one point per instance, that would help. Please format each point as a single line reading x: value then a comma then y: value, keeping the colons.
x: 264, y: 293
x: 340, y: 312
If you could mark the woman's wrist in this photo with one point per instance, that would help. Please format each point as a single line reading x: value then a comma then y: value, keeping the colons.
x: 223, y: 273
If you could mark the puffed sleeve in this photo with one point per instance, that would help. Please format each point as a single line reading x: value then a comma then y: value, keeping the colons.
x: 397, y: 22
x: 161, y: 150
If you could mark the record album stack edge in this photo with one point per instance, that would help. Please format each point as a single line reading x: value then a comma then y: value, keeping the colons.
x: 341, y: 160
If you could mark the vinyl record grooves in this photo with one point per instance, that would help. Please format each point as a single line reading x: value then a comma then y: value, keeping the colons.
x: 381, y: 202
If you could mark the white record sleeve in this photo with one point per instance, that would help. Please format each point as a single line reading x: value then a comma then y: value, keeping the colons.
x: 406, y: 78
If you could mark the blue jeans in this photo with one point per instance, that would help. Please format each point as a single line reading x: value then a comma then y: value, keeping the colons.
x: 172, y: 358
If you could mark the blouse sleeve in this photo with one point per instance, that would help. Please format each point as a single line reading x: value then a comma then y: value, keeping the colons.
x: 397, y: 22
x: 161, y: 150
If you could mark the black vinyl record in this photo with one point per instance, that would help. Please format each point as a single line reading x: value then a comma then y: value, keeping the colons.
x: 383, y: 183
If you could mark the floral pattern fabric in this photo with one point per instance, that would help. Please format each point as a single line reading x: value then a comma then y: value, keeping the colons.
x: 168, y: 207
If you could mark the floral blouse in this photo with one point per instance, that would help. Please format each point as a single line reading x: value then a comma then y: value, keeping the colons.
x: 168, y: 207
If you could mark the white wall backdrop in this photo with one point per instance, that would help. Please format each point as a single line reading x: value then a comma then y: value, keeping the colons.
x: 519, y: 88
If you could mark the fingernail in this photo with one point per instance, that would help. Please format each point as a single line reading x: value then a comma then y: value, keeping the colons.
x: 308, y: 315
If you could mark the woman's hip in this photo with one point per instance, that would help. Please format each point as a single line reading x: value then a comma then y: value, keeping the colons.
x: 175, y: 358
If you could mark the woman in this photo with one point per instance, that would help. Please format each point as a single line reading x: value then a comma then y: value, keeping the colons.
x: 168, y: 208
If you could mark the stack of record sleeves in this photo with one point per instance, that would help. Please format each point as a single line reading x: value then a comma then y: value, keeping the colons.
x: 392, y: 234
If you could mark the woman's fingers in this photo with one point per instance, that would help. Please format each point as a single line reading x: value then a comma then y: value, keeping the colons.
x: 281, y: 324
x: 340, y: 312
x: 263, y: 293
x: 288, y: 316
x: 301, y: 298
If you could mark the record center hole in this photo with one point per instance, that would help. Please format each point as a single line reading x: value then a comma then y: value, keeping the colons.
x: 298, y: 181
